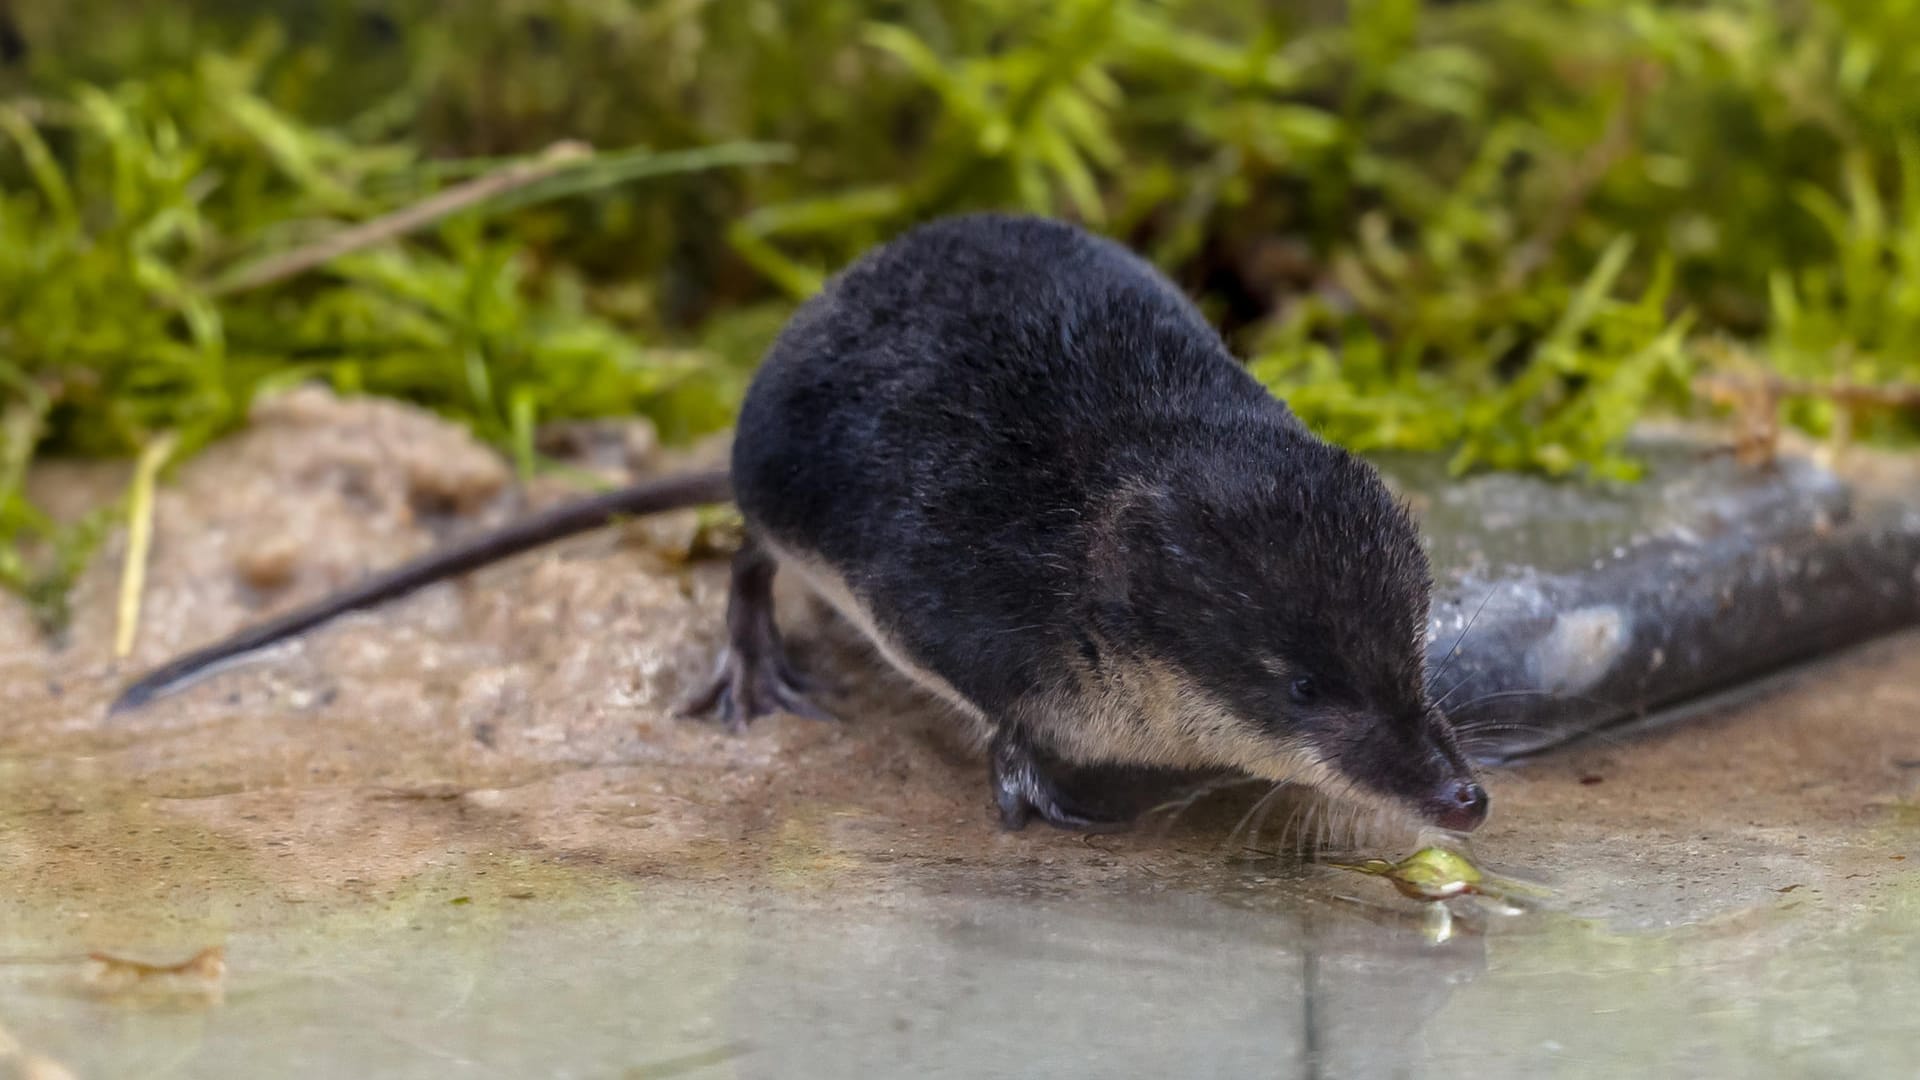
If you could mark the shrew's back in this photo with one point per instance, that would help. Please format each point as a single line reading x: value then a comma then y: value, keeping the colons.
x: 940, y: 421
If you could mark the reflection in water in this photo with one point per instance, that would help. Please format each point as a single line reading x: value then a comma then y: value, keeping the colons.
x: 1163, y: 984
x: 1243, y: 975
x: 1370, y: 991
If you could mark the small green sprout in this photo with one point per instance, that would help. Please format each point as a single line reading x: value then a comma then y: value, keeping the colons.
x: 1435, y: 874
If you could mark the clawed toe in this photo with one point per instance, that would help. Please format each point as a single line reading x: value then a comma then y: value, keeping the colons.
x: 753, y: 677
x: 745, y: 689
x: 1023, y: 789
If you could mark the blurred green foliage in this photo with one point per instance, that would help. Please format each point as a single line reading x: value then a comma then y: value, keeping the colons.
x: 1498, y: 228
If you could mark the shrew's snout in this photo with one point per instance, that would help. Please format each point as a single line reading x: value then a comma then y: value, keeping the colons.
x: 1459, y: 804
x: 1417, y: 765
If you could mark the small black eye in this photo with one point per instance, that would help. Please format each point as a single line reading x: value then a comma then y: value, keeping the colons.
x: 1303, y: 690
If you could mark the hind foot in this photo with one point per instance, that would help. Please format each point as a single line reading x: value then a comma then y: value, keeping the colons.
x: 747, y: 687
x: 1023, y: 788
x: 754, y: 677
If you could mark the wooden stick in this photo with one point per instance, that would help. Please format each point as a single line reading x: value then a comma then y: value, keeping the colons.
x: 556, y: 159
x: 1884, y: 395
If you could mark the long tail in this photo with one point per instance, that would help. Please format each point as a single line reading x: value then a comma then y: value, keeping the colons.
x: 584, y: 515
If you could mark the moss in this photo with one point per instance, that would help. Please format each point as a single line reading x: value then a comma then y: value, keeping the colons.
x: 1499, y: 229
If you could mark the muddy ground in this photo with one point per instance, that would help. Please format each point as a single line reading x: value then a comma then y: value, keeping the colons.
x: 520, y: 720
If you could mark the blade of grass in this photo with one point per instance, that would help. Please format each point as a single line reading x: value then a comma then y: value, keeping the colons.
x: 133, y: 574
x: 40, y: 162
x: 611, y: 170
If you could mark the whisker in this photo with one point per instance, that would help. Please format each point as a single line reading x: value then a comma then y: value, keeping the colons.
x: 1365, y: 824
x: 1441, y: 701
x: 1301, y: 846
x: 1481, y: 734
x: 1253, y: 839
x: 1252, y: 810
x: 1376, y: 824
x: 1477, y: 739
x: 1551, y: 695
x: 1475, y: 733
x: 1491, y: 724
x: 1464, y: 631
x: 1341, y: 824
x: 1300, y: 808
x: 1496, y: 695
x: 1182, y: 803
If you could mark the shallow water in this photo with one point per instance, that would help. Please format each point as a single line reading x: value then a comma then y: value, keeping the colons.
x: 1249, y: 973
x: 464, y: 837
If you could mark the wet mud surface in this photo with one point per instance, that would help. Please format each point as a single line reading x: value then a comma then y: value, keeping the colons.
x: 469, y: 827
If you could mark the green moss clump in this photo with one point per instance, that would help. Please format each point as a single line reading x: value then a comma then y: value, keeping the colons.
x: 1497, y: 228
